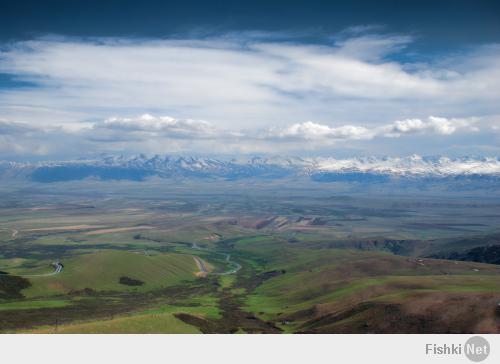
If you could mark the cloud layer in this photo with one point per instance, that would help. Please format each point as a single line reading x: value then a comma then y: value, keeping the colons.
x: 242, y: 92
x: 432, y: 125
x: 166, y: 134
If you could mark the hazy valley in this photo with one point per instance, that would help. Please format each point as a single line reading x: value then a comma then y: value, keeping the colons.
x: 261, y: 253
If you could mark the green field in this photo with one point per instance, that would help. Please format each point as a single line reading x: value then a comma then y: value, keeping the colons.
x: 273, y: 260
x: 102, y: 270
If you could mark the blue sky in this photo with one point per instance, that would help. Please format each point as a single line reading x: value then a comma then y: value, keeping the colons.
x: 304, y: 78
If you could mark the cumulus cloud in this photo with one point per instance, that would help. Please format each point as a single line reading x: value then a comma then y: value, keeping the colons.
x: 432, y: 125
x: 314, y: 131
x: 166, y: 126
x: 167, y: 134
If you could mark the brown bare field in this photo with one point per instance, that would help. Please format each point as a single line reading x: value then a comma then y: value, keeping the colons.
x: 203, y: 268
x: 116, y: 230
x: 70, y: 227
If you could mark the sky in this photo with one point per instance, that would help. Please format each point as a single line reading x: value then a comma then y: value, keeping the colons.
x: 225, y: 78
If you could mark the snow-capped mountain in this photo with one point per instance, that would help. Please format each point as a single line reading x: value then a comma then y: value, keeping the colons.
x: 413, y: 166
x: 319, y: 169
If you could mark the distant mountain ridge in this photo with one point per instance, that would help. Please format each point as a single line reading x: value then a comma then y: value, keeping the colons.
x: 363, y: 169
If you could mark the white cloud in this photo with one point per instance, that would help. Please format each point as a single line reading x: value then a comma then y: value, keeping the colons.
x: 244, y: 81
x: 166, y: 134
x: 244, y: 93
x: 432, y: 125
x: 311, y: 130
x: 160, y: 125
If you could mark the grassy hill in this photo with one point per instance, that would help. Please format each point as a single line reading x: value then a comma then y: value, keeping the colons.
x: 349, y: 291
x: 102, y: 270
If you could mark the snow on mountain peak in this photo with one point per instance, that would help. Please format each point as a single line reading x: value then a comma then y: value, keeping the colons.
x: 413, y: 165
x: 277, y: 166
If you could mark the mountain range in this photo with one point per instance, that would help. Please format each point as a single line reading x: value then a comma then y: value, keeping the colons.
x: 320, y: 169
